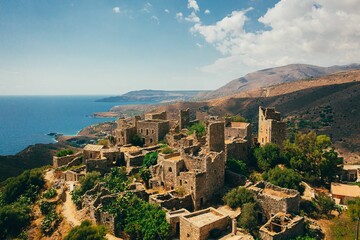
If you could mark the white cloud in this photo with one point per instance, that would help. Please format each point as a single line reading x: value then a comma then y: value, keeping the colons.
x: 116, y: 10
x: 147, y: 7
x: 207, y: 11
x: 167, y: 11
x: 179, y: 16
x: 321, y: 32
x: 155, y: 19
x: 193, y: 18
x: 199, y: 45
x: 192, y: 4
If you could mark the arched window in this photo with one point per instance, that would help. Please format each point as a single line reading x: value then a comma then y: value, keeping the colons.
x: 170, y: 169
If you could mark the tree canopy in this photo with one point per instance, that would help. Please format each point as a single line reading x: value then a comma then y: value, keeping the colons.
x: 267, y: 156
x: 238, y: 197
x: 284, y: 177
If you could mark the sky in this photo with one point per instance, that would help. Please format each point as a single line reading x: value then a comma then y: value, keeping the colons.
x: 109, y: 47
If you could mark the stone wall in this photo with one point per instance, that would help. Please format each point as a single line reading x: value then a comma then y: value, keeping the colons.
x: 196, y: 231
x: 233, y: 179
x: 238, y: 149
x: 134, y: 159
x: 184, y: 118
x: 99, y: 165
x: 173, y: 218
x: 274, y: 199
x: 216, y: 136
x: 172, y: 202
x: 282, y: 227
x: 153, y: 131
x: 152, y: 116
x: 62, y: 161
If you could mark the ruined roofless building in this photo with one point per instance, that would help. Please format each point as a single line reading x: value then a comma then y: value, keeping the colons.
x: 271, y: 128
x: 154, y: 128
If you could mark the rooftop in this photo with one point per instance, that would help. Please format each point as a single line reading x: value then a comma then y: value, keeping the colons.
x: 239, y: 124
x: 345, y: 190
x: 92, y: 147
x: 351, y: 167
x: 204, y: 217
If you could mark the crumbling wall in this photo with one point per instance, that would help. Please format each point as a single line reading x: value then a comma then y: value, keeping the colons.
x: 233, y: 179
x: 216, y: 136
x: 184, y: 118
x: 274, y: 199
x: 171, y: 202
x: 282, y: 227
x: 99, y: 165
x: 159, y: 116
x: 62, y: 161
x: 237, y: 149
x: 134, y: 159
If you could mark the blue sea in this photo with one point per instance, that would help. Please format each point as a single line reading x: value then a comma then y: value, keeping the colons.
x: 27, y: 120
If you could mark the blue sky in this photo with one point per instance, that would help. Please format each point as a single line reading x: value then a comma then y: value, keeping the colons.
x: 111, y: 47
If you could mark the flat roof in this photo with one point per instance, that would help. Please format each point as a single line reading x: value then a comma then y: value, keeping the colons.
x: 272, y: 192
x: 351, y: 167
x: 346, y: 190
x: 204, y: 217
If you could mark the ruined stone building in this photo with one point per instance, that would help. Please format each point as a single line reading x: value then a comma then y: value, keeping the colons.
x: 238, y: 140
x: 152, y: 131
x: 195, y: 171
x: 274, y: 199
x: 126, y: 129
x: 271, y: 128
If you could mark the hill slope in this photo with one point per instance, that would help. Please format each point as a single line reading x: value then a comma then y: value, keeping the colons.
x: 272, y: 76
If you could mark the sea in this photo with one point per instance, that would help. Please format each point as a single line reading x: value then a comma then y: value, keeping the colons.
x: 27, y: 120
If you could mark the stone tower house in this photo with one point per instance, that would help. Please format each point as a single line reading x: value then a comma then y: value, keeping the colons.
x: 271, y: 128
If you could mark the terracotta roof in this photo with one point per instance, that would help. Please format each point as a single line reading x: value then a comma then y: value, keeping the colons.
x: 345, y: 190
x: 92, y: 147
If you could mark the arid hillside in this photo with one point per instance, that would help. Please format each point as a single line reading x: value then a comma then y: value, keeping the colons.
x: 276, y: 75
x: 329, y: 105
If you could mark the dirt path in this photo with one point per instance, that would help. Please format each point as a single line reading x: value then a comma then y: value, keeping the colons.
x: 73, y: 216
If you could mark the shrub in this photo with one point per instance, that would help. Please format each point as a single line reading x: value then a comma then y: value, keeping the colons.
x: 167, y: 150
x: 284, y: 177
x: 238, y: 197
x: 136, y: 140
x: 86, y: 231
x: 326, y: 204
x: 267, y: 156
x: 248, y: 218
x: 49, y: 223
x: 150, y: 159
x: 236, y: 166
x: 13, y: 218
x: 198, y: 128
x: 65, y: 152
x: 46, y: 207
x: 51, y: 193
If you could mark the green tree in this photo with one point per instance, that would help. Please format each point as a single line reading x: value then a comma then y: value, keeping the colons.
x: 237, y: 166
x: 267, y: 156
x: 248, y: 218
x: 326, y: 204
x: 284, y: 177
x: 310, y: 155
x: 238, y: 197
x: 117, y: 180
x: 150, y: 159
x: 198, y: 128
x: 145, y: 175
x: 89, y: 181
x: 136, y: 140
x: 104, y: 142
x: 86, y: 231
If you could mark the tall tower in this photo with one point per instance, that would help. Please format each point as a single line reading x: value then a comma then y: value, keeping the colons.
x: 271, y: 128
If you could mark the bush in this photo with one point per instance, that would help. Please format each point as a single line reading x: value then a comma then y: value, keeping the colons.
x: 46, y: 207
x: 104, y: 142
x: 326, y: 204
x: 13, y: 218
x: 167, y: 150
x: 65, y: 152
x: 51, y: 193
x: 116, y: 181
x: 248, y: 218
x: 236, y: 166
x: 136, y: 140
x: 150, y: 159
x: 86, y: 231
x: 49, y: 223
x: 198, y: 128
x: 286, y: 178
x: 267, y: 156
x: 28, y: 183
x: 238, y: 197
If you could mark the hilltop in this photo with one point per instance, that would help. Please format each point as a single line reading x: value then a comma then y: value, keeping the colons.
x: 276, y: 75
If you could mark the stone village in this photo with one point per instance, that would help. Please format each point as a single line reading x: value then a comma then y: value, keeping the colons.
x: 185, y: 181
